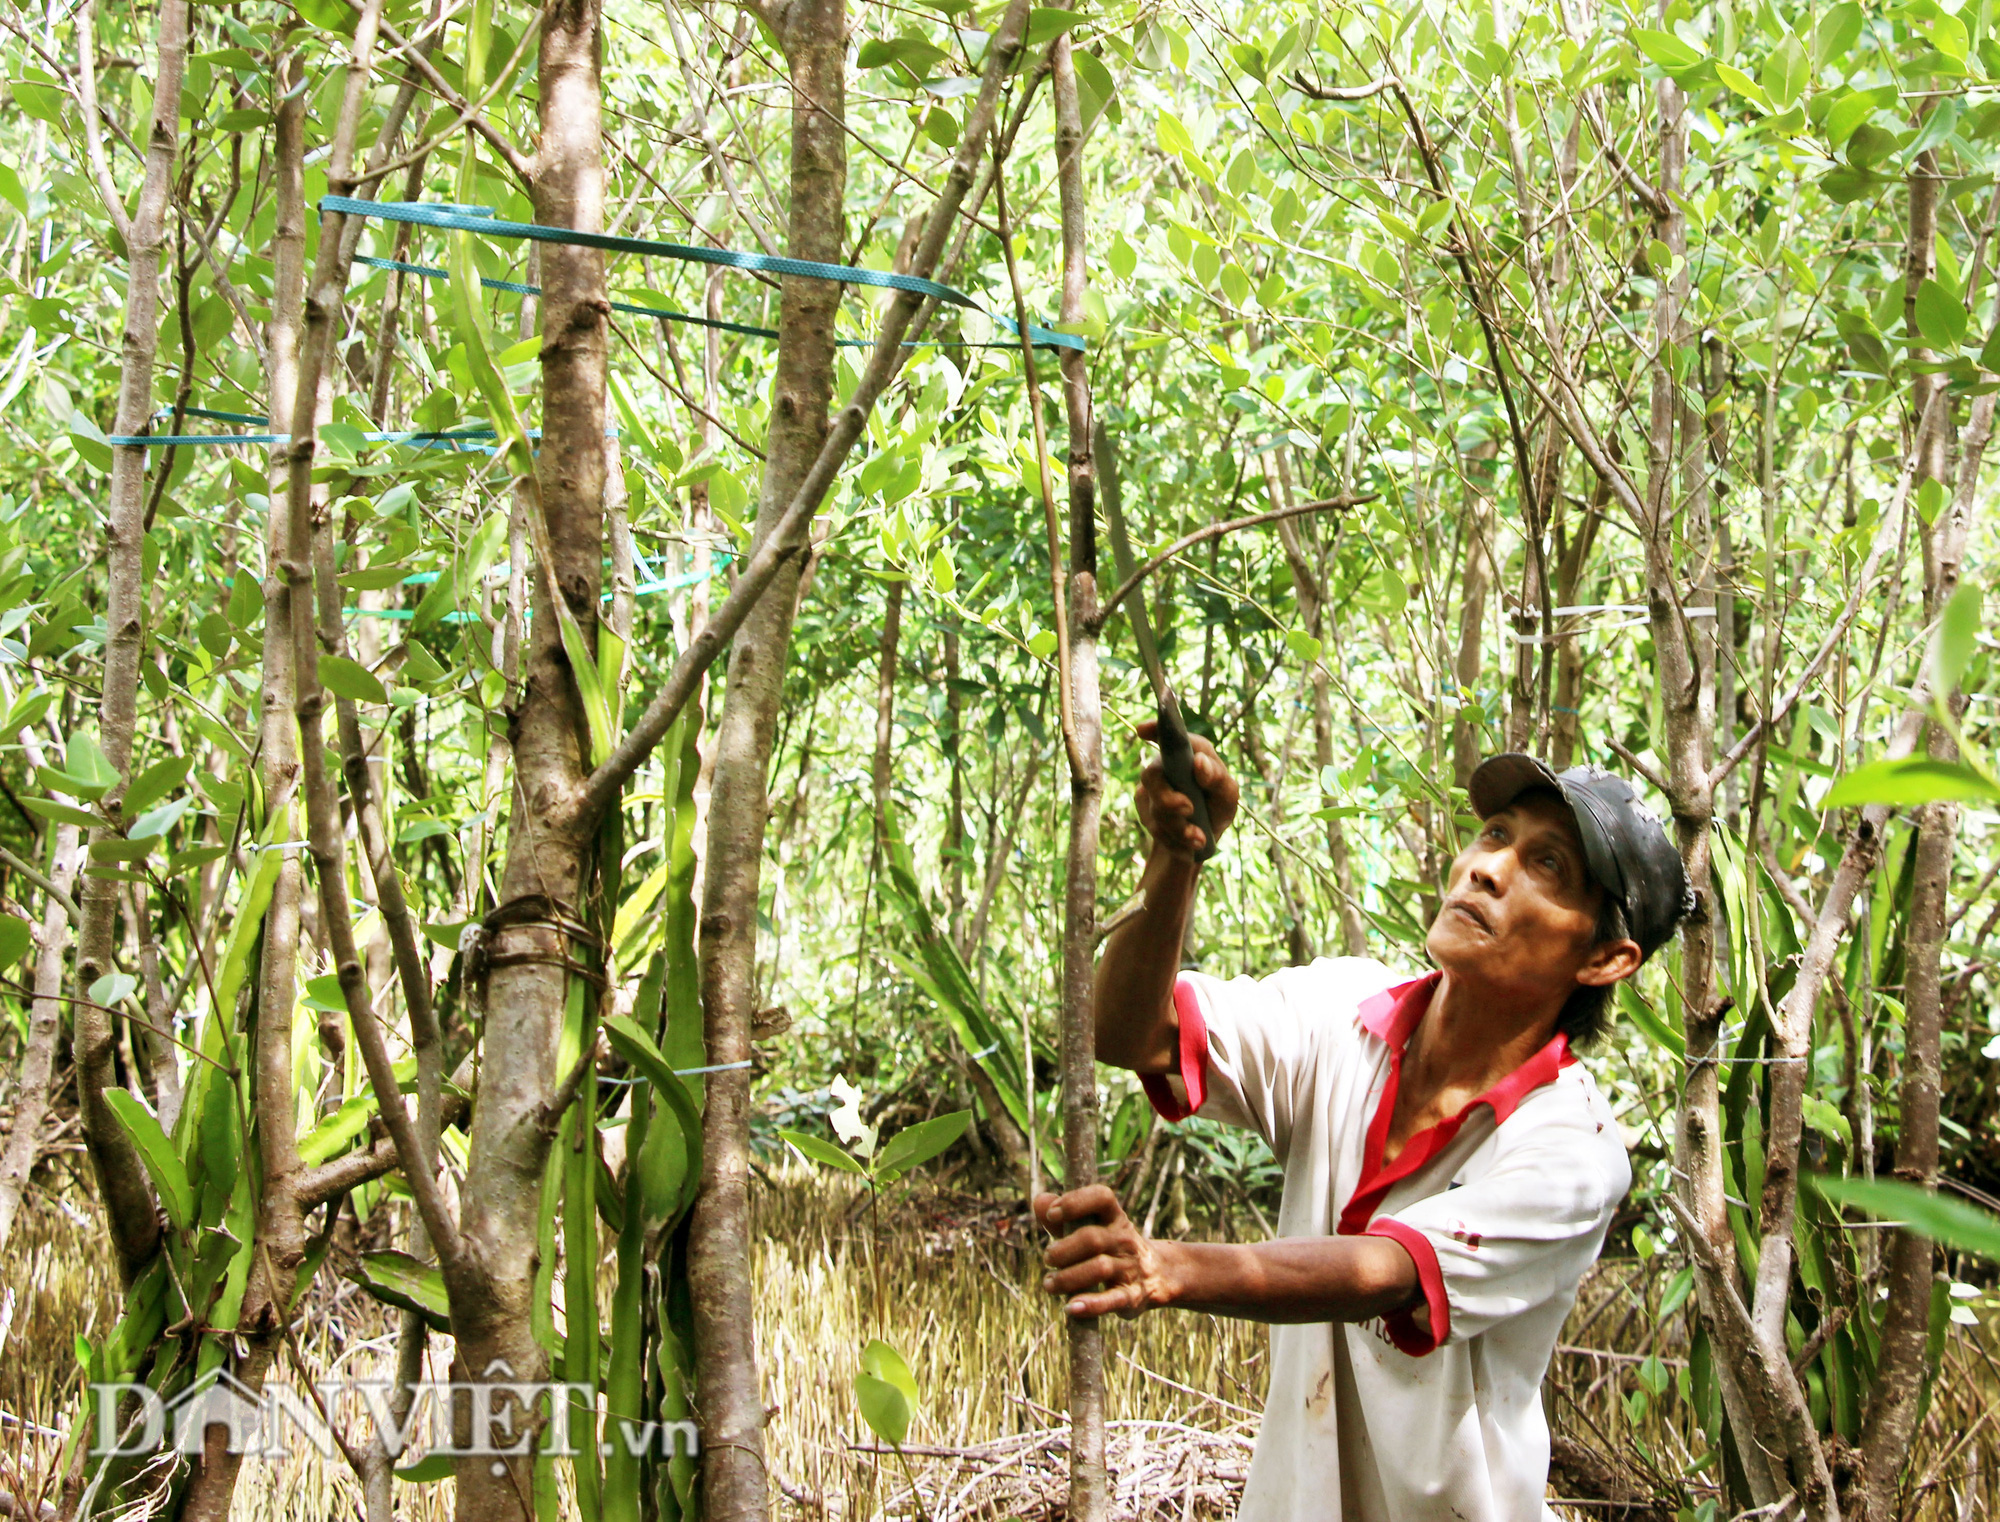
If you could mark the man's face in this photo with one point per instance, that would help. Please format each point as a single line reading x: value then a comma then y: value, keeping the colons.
x: 1520, y: 915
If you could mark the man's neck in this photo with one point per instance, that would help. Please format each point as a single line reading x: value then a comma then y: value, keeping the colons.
x: 1468, y: 1040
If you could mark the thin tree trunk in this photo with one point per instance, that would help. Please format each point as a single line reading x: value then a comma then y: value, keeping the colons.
x: 1089, y: 1499
x: 531, y: 933
x: 300, y: 392
x: 1684, y: 660
x: 1298, y: 935
x: 952, y: 849
x: 1889, y: 1423
x: 1312, y: 608
x: 882, y: 772
x: 1565, y: 722
x: 121, y: 1177
x: 45, y: 1019
x: 123, y: 1183
x: 734, y: 1481
x: 1470, y: 658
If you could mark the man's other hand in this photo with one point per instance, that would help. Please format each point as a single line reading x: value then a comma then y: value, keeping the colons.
x: 1104, y: 1264
x: 1167, y: 812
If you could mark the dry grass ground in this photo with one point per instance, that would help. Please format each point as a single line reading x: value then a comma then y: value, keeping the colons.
x: 949, y: 1280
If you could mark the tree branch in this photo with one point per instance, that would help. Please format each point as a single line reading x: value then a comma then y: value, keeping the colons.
x: 522, y: 165
x: 1187, y: 542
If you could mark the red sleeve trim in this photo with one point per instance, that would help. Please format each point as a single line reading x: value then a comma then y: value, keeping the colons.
x: 1402, y: 1326
x: 1191, y: 1060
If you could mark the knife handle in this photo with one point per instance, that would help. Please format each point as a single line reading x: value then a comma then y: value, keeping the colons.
x: 1177, y: 762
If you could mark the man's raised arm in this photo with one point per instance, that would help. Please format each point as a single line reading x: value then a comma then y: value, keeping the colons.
x: 1136, y: 1024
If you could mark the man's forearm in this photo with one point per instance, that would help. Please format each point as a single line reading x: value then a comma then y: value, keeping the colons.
x: 1290, y: 1280
x: 1136, y: 971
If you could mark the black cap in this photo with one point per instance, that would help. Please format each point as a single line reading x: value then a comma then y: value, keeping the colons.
x: 1624, y: 844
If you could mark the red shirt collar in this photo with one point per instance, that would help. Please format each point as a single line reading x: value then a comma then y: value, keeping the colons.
x: 1393, y: 1015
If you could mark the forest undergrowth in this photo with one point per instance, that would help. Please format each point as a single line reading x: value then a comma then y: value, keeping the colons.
x: 948, y: 1274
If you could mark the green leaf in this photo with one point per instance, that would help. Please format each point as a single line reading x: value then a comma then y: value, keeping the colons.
x: 913, y: 1146
x: 1947, y: 1221
x: 331, y: 1136
x: 468, y: 310
x: 1048, y: 22
x: 1743, y: 85
x: 62, y: 813
x: 1785, y: 72
x: 589, y: 686
x: 92, y: 770
x: 427, y: 1470
x: 1948, y: 37
x: 1848, y: 113
x: 16, y: 939
x: 112, y: 989
x: 883, y: 1407
x: 1669, y: 51
x: 155, y: 823
x: 374, y: 578
x: 1844, y: 186
x: 1940, y: 315
x: 1914, y: 780
x: 400, y: 1280
x: 632, y: 1043
x: 11, y: 191
x: 1656, y: 1030
x: 1824, y: 1117
x: 242, y: 121
x: 883, y: 1362
x: 1678, y: 1289
x: 44, y: 102
x: 323, y: 994
x: 915, y: 54
x: 1957, y: 631
x: 887, y: 1392
x: 1869, y: 145
x: 941, y: 127
x: 351, y: 680
x: 111, y: 848
x: 155, y: 782
x: 1095, y: 86
x: 328, y: 15
x: 163, y: 1164
x: 1838, y: 30
x: 816, y: 1150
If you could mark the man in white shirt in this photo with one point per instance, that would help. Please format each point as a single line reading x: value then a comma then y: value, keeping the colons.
x: 1449, y: 1170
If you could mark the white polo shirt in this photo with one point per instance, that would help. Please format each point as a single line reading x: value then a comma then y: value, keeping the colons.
x: 1435, y: 1414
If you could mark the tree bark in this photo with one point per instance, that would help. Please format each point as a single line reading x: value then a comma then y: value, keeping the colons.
x: 1469, y: 659
x: 121, y: 1177
x: 1757, y: 1408
x: 1089, y: 1498
x: 1312, y: 609
x: 1565, y: 722
x: 45, y: 1019
x: 1889, y: 1423
x: 300, y: 395
x: 734, y: 1482
x: 531, y: 938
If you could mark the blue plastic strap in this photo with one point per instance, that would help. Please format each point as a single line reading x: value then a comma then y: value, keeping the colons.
x: 480, y: 219
x: 535, y: 290
x: 420, y: 440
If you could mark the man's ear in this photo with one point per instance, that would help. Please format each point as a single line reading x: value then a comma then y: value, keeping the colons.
x: 1611, y: 962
